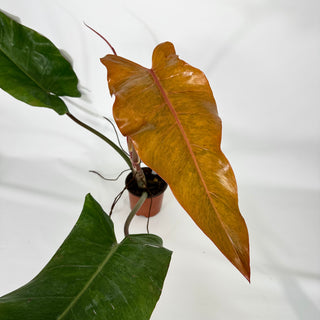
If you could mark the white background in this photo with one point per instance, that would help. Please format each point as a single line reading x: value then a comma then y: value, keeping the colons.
x: 262, y: 60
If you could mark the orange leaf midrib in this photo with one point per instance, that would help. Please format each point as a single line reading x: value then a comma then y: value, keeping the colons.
x: 185, y: 137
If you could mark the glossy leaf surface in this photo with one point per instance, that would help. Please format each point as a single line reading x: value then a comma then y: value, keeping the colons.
x: 32, y: 69
x: 93, y: 277
x: 170, y: 114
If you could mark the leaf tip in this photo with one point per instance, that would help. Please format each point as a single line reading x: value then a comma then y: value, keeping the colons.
x: 245, y: 269
x: 248, y: 276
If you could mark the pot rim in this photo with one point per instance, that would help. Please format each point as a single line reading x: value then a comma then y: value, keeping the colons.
x: 148, y: 170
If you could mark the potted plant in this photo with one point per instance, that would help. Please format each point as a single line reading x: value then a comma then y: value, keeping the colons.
x: 169, y: 116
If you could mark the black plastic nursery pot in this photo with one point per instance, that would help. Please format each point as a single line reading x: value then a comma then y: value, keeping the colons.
x: 156, y: 187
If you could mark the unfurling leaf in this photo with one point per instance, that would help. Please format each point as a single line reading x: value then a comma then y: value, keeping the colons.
x: 170, y: 114
x: 32, y: 69
x: 92, y: 277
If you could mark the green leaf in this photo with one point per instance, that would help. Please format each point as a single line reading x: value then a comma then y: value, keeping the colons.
x: 93, y: 277
x: 32, y: 69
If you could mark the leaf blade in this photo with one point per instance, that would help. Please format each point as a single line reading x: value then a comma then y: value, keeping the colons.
x: 32, y: 68
x: 90, y: 276
x: 170, y: 114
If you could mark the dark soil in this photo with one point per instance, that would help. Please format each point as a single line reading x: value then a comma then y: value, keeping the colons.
x: 155, y: 184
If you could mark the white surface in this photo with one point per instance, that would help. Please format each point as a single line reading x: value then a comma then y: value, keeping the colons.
x: 262, y: 60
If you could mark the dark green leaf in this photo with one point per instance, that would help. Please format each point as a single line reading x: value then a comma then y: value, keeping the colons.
x: 32, y: 69
x: 93, y: 277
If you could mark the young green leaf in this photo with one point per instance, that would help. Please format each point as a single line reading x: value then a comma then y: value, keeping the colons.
x: 93, y: 277
x: 32, y: 69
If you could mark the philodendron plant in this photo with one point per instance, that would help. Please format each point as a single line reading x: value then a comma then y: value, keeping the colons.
x: 169, y: 116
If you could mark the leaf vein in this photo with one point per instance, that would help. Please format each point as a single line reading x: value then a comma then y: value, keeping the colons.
x: 89, y: 282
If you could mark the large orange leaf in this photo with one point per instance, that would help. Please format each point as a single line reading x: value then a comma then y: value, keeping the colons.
x: 170, y: 114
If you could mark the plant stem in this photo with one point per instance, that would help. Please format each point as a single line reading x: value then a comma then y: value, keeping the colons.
x: 104, y: 138
x: 138, y: 205
x: 138, y: 173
